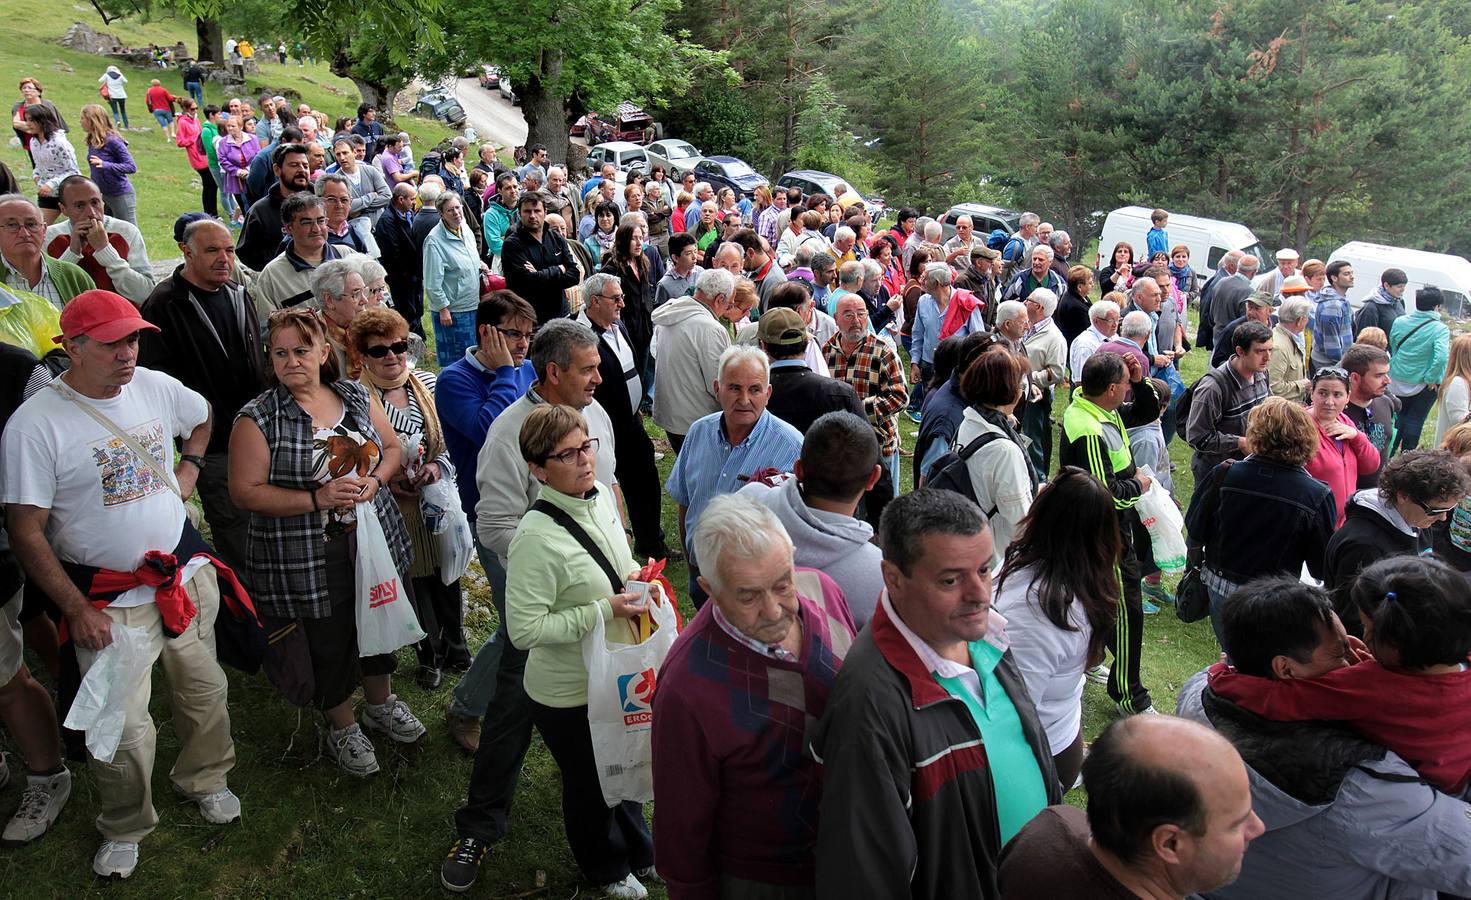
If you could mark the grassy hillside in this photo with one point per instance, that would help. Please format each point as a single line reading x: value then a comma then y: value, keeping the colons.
x: 165, y: 184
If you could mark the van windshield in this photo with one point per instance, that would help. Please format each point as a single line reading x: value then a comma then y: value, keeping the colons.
x: 1455, y: 303
x: 1268, y: 261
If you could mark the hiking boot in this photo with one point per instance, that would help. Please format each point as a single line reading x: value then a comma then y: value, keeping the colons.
x: 40, y: 804
x: 394, y: 720
x: 219, y: 808
x: 463, y: 730
x: 627, y: 889
x: 462, y: 864
x: 116, y: 859
x: 352, y: 750
x: 1099, y: 674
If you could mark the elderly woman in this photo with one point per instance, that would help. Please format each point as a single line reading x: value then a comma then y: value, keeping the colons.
x: 379, y: 341
x: 1264, y: 515
x: 1001, y: 480
x: 452, y: 270
x: 338, y: 295
x: 1344, y: 452
x: 929, y: 315
x: 302, y: 455
x: 555, y: 590
x: 375, y: 280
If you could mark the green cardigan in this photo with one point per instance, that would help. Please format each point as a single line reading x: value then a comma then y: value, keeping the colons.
x: 69, y: 278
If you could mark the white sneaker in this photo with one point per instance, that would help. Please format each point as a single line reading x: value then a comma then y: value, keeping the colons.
x: 40, y: 804
x: 116, y: 859
x: 1099, y: 674
x: 393, y: 719
x: 220, y: 808
x: 352, y: 750
x: 627, y: 889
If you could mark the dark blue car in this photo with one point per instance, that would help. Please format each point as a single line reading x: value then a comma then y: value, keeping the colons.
x: 728, y: 171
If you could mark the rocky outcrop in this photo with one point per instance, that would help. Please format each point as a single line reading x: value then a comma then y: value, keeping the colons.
x: 82, y: 38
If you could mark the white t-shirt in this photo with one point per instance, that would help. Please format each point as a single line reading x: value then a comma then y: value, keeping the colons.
x: 107, y: 508
x: 1051, y: 661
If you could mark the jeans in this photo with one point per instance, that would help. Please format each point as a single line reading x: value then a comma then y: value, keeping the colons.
x: 452, y: 340
x: 227, y: 200
x: 1217, y: 600
x: 891, y: 462
x: 917, y: 390
x: 196, y: 90
x: 473, y: 692
x: 122, y: 206
x: 119, y: 111
x: 1412, y: 415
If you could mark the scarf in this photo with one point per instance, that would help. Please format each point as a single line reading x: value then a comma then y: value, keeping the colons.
x: 337, y: 337
x: 433, y: 445
x: 1183, y: 275
x: 605, y: 240
x: 957, y: 314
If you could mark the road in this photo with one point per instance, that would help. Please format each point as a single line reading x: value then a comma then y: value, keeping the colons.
x: 493, y: 118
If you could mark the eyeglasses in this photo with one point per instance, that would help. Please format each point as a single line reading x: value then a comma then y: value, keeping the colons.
x: 515, y: 335
x: 612, y: 298
x: 379, y: 351
x: 1435, y: 511
x: 569, y: 457
x: 32, y: 226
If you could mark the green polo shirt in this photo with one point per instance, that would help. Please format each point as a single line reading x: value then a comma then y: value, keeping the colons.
x: 1015, y: 777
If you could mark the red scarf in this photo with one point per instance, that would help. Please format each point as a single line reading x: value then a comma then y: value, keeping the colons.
x: 962, y: 304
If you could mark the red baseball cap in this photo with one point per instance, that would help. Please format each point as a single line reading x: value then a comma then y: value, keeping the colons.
x: 102, y: 316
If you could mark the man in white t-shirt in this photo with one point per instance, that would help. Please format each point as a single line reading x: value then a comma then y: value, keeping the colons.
x: 79, y: 503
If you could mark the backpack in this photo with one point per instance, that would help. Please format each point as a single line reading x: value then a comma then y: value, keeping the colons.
x: 951, y: 474
x: 429, y: 165
x: 1182, y: 406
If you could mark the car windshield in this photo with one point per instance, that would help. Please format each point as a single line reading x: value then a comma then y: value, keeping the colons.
x: 680, y: 151
x: 632, y: 156
x: 737, y: 169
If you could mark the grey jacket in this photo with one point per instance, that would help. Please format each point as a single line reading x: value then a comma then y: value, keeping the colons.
x: 1381, y: 832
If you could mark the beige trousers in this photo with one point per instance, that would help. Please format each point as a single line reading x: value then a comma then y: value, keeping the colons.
x: 197, y: 695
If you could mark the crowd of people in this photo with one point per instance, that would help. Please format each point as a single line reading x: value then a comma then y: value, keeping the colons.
x: 880, y: 692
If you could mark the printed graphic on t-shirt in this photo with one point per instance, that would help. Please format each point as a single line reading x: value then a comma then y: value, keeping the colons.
x: 337, y: 452
x: 125, y: 477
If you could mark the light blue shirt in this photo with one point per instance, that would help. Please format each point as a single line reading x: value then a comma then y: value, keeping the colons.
x: 926, y: 330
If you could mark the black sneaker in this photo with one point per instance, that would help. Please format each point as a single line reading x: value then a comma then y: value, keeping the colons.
x: 462, y: 863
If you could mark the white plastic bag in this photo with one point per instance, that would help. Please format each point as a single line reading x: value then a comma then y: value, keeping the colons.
x: 1165, y: 524
x: 101, y: 705
x: 386, y: 619
x: 620, y: 705
x: 445, y: 519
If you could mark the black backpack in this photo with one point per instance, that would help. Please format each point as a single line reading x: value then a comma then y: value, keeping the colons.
x: 950, y: 473
x: 1182, y: 406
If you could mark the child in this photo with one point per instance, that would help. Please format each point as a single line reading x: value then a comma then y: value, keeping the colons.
x: 1374, y: 337
x: 1149, y: 448
x: 1158, y: 240
x: 1414, y: 695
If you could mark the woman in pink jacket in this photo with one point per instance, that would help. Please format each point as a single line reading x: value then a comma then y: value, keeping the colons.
x: 187, y: 136
x: 1343, y: 450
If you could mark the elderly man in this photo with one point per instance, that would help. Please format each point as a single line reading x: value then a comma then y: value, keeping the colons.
x: 691, y: 341
x: 1018, y: 247
x: 260, y: 237
x: 1224, y: 396
x: 1135, y: 331
x: 1062, y: 247
x: 799, y: 395
x: 208, y: 338
x: 537, y: 262
x: 24, y: 265
x: 726, y: 256
x: 932, y: 753
x: 1333, y: 317
x: 850, y: 281
x: 1039, y: 275
x: 1271, y: 282
x: 336, y: 194
x: 704, y: 193
x: 558, y: 187
x: 1169, y: 816
x: 80, y: 505
x: 287, y: 279
x: 619, y: 393
x: 1258, y: 309
x: 401, y: 257
x: 979, y: 277
x: 741, y: 794
x: 958, y: 248
x: 856, y: 355
x: 727, y: 449
x: 1046, y: 350
x: 1103, y: 323
x: 1287, y: 374
x: 110, y: 250
x: 1224, y: 269
x: 844, y: 240
x: 427, y: 216
x: 1228, y: 300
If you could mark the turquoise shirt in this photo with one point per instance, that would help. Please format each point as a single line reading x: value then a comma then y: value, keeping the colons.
x: 1015, y: 778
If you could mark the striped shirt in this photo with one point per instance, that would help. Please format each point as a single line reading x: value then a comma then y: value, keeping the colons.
x: 1218, y: 412
x: 44, y: 288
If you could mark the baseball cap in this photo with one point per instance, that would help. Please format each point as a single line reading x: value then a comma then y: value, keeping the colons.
x: 1260, y: 298
x: 102, y: 316
x: 781, y: 327
x: 1295, y: 284
x: 1287, y: 253
x: 183, y: 222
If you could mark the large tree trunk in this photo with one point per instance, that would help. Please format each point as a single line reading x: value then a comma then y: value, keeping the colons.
x: 211, y: 41
x: 545, y: 110
x: 374, y: 93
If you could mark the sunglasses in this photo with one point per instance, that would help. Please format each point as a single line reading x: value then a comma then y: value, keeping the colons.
x: 1435, y: 511
x: 1331, y: 372
x: 379, y: 351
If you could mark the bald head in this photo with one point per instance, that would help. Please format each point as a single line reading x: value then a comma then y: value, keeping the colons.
x: 1249, y: 265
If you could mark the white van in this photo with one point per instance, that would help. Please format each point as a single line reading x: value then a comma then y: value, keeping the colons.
x: 1452, y: 274
x: 1208, y: 239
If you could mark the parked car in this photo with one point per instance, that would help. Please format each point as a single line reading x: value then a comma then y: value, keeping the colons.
x: 507, y: 92
x: 627, y: 156
x: 811, y: 181
x: 490, y: 78
x: 442, y: 106
x: 1208, y: 239
x: 728, y: 171
x: 676, y: 156
x: 984, y: 219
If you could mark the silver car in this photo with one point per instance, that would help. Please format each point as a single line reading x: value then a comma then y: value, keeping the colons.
x: 676, y: 156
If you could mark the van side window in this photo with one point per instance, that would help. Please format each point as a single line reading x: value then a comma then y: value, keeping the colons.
x: 1213, y: 259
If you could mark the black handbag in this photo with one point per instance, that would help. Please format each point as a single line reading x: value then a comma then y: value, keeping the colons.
x: 1192, y: 600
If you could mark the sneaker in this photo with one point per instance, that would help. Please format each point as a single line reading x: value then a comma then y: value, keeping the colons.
x: 627, y: 889
x: 914, y: 415
x: 429, y: 677
x: 352, y: 750
x: 394, y: 720
x: 1146, y: 711
x: 116, y: 859
x: 648, y: 874
x: 1158, y: 593
x: 1148, y: 608
x: 462, y: 864
x: 1099, y: 674
x: 40, y: 804
x: 219, y: 808
x: 463, y: 730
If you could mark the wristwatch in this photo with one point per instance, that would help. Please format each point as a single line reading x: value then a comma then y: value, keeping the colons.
x: 193, y: 458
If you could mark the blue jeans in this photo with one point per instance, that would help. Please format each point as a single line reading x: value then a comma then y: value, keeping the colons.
x: 451, y: 341
x: 196, y: 90
x: 477, y: 686
x: 892, y: 462
x: 1413, y: 412
x: 917, y: 390
x: 1217, y: 600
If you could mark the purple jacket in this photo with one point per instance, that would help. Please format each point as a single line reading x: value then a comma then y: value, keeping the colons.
x: 117, y: 164
x: 235, y: 161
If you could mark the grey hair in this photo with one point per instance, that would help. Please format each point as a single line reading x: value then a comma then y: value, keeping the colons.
x: 18, y: 198
x: 1136, y: 324
x: 966, y: 219
x: 1058, y: 237
x: 922, y: 223
x: 1139, y: 284
x: 937, y: 275
x: 851, y: 273
x: 1294, y: 309
x: 1010, y: 309
x: 368, y: 267
x: 190, y: 230
x: 714, y: 282
x: 933, y: 230
x: 332, y: 178
x: 1028, y: 218
x: 1045, y: 298
x: 555, y: 342
x: 739, y: 353
x: 1044, y: 249
x: 1249, y: 263
x: 871, y: 268
x: 429, y: 192
x: 551, y: 169
x: 738, y: 526
x: 1102, y: 310
x: 634, y: 217
x: 727, y: 248
x: 597, y: 284
x: 911, y: 517
x: 803, y: 256
x: 330, y: 278
x: 445, y: 199
x: 701, y: 187
x: 843, y: 233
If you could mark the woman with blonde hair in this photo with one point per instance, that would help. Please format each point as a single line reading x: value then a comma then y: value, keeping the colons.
x: 110, y: 163
x: 1455, y: 388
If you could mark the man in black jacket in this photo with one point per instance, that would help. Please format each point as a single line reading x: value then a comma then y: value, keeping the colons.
x: 537, y: 262
x: 619, y: 393
x: 403, y: 259
x: 209, y: 339
x: 260, y: 238
x: 799, y: 396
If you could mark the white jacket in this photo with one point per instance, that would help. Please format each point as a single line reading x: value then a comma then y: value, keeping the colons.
x: 999, y: 477
x: 131, y: 277
x: 690, y: 342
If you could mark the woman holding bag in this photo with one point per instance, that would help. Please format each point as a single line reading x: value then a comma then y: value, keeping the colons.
x: 378, y: 339
x: 556, y: 589
x: 304, y: 457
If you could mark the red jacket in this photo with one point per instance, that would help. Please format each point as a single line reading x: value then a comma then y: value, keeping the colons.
x: 187, y: 136
x: 1338, y: 464
x: 158, y: 97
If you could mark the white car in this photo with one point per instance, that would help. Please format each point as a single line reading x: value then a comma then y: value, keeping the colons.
x: 676, y: 156
x: 627, y: 156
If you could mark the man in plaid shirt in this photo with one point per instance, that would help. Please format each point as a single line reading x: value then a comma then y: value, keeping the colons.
x: 857, y: 356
